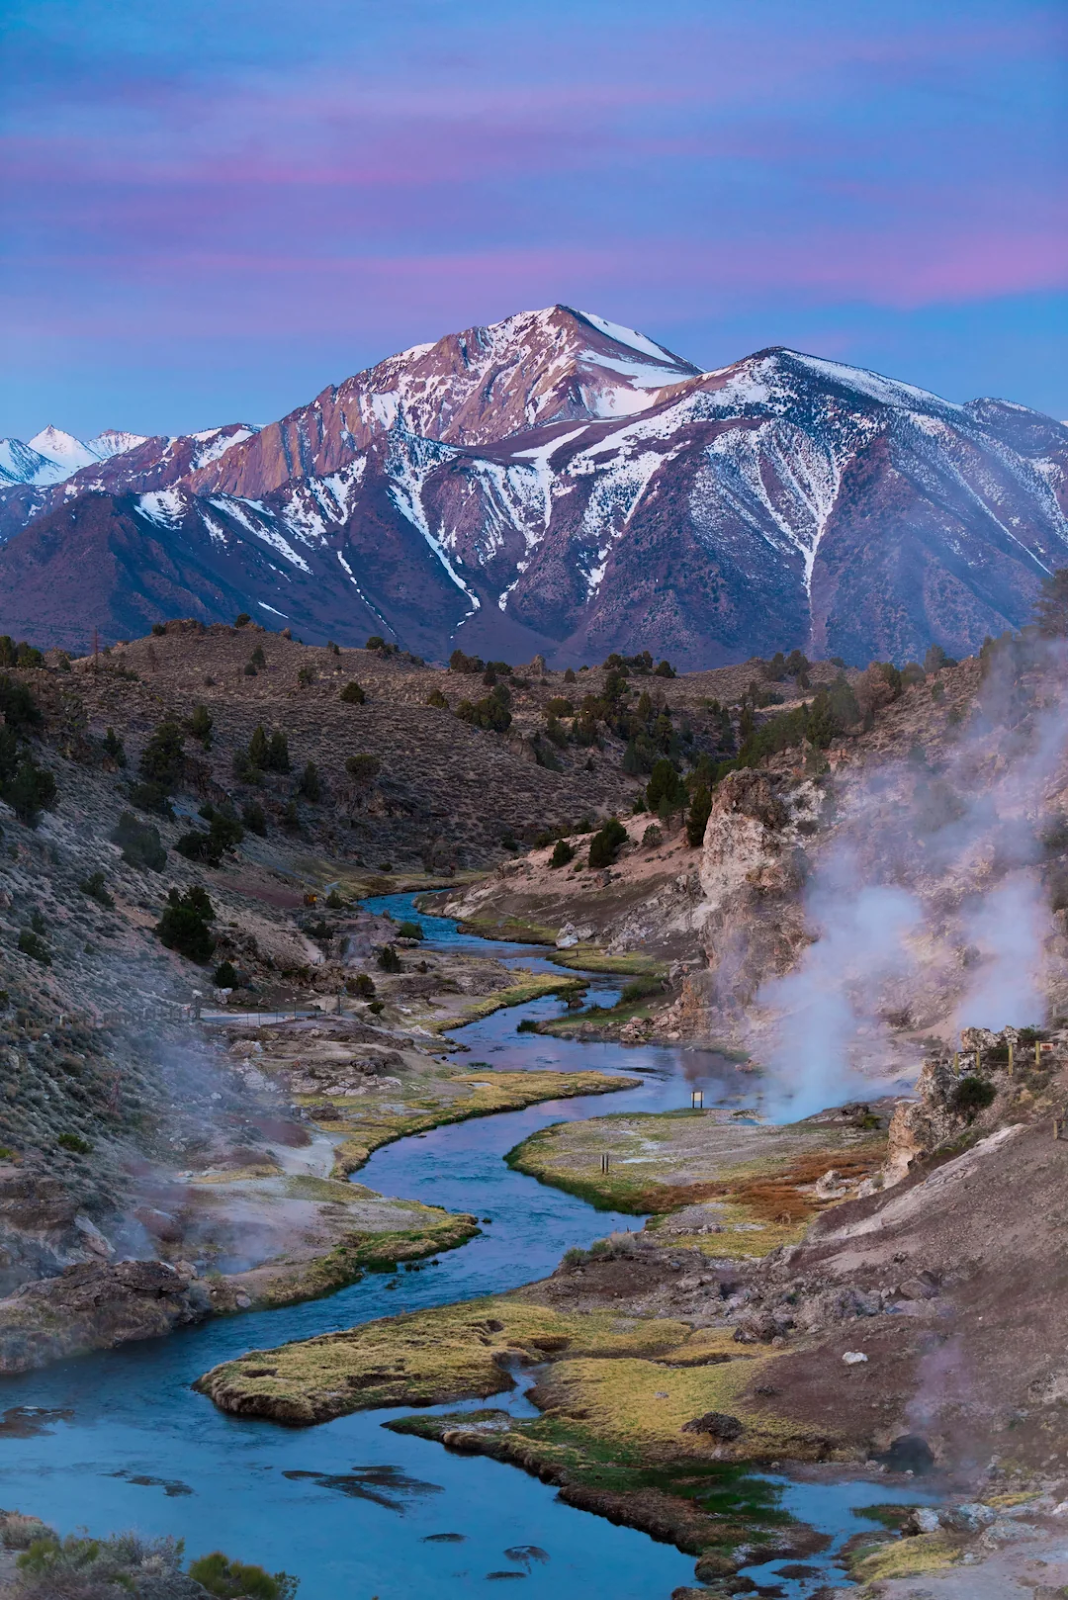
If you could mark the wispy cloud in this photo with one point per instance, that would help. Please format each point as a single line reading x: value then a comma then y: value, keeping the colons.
x: 247, y: 169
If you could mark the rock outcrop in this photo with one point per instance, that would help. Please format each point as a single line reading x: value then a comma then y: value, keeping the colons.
x: 753, y: 866
x: 94, y: 1306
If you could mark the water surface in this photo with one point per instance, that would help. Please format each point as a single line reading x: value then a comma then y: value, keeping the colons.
x: 353, y: 1510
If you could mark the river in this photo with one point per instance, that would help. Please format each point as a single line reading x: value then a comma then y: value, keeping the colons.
x: 120, y: 1440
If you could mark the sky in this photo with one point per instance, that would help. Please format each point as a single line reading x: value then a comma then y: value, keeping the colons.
x: 213, y: 209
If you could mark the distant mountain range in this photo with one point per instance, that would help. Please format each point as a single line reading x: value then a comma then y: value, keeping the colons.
x: 561, y: 484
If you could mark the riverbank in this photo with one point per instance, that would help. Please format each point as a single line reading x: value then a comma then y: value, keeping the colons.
x: 715, y: 1181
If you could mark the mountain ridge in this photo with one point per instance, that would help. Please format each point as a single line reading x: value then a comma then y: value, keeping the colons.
x: 556, y: 482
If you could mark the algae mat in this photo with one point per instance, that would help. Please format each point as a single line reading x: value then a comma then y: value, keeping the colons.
x: 735, y: 1188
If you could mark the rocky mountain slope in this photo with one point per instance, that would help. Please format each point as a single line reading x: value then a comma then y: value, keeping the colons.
x: 556, y: 483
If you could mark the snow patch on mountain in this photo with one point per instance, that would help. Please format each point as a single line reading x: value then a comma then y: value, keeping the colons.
x: 164, y: 507
x: 776, y: 480
x: 261, y: 526
x: 20, y: 464
x: 217, y: 441
x: 636, y: 341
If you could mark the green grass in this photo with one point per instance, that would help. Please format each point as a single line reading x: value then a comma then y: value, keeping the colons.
x: 534, y: 987
x: 718, y: 1505
x: 491, y: 1093
x: 589, y: 958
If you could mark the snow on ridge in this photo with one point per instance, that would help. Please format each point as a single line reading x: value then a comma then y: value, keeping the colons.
x: 237, y: 507
x: 217, y: 441
x: 21, y: 464
x: 114, y: 442
x: 164, y: 507
x: 636, y: 341
x: 889, y: 391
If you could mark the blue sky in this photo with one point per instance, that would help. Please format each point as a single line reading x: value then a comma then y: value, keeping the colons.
x: 212, y: 210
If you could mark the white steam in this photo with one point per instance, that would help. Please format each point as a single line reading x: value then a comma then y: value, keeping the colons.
x: 928, y: 909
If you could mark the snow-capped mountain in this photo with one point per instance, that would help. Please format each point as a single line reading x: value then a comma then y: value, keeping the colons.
x: 558, y: 483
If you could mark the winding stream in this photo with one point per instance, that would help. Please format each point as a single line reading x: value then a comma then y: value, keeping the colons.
x: 355, y: 1511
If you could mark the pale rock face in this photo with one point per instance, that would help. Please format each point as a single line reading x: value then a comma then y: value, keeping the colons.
x: 750, y: 920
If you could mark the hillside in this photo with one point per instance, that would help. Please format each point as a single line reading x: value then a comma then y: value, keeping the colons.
x: 556, y: 484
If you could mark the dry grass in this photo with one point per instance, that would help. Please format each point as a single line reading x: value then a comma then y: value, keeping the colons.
x: 427, y: 1357
x: 643, y: 1404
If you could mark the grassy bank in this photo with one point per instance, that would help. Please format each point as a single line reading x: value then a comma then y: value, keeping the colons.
x: 423, y: 1358
x: 535, y: 986
x: 286, y: 1282
x: 487, y: 1093
x: 710, y: 1183
x: 591, y: 958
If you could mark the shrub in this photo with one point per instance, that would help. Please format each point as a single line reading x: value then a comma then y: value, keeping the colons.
x: 308, y: 783
x: 233, y: 1580
x: 257, y: 659
x: 225, y: 976
x: 375, y: 642
x: 652, y: 837
x: 140, y: 843
x: 569, y: 676
x: 605, y: 844
x: 437, y: 699
x: 973, y: 1095
x: 32, y: 945
x: 562, y: 854
x: 376, y: 1007
x: 334, y: 901
x: 184, y: 924
x: 31, y: 791
x: 410, y: 930
x: 76, y: 1145
x: 224, y: 834
x: 698, y: 814
x: 200, y: 724
x: 492, y: 713
x: 640, y: 989
x: 113, y: 748
x: 664, y: 669
x: 559, y: 706
x: 94, y: 887
x: 20, y: 710
x: 242, y: 619
x: 159, y: 629
x: 363, y: 770
x: 163, y: 758
x: 277, y: 759
x: 352, y: 694
x: 664, y: 784
x: 290, y: 816
x: 459, y: 662
x: 254, y: 817
x: 257, y: 747
x: 389, y: 960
